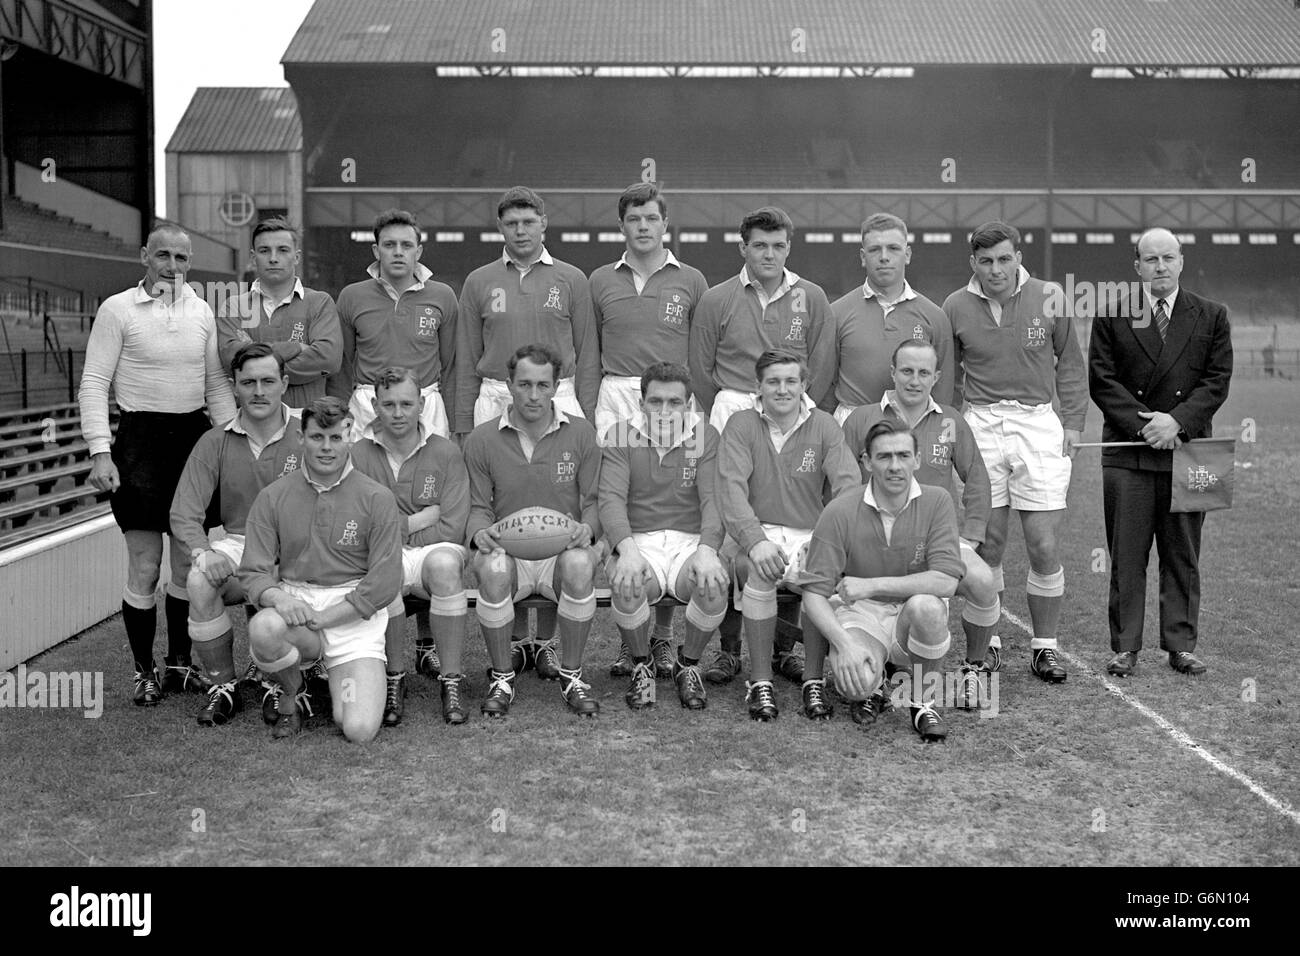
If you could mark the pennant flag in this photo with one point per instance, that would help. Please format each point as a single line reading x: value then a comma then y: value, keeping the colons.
x: 1202, y: 475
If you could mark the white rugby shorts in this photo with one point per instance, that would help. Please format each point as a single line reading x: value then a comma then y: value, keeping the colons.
x: 1022, y: 450
x: 360, y: 639
x: 494, y: 396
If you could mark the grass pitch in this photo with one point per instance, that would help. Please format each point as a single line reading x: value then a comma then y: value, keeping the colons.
x: 1063, y: 775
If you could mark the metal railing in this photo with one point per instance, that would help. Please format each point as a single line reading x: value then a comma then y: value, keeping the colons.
x: 23, y: 384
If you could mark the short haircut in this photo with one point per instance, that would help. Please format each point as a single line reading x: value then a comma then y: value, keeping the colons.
x: 536, y: 353
x: 769, y: 219
x: 520, y: 197
x: 396, y: 217
x: 1146, y: 232
x: 779, y: 357
x: 276, y: 224
x: 883, y: 222
x: 395, y: 375
x: 666, y: 372
x: 639, y: 194
x: 327, y: 412
x: 888, y: 426
x: 165, y: 229
x: 254, y: 350
x: 914, y: 344
x: 991, y: 233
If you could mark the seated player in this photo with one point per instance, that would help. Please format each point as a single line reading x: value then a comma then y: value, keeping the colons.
x: 776, y: 462
x: 426, y: 474
x: 657, y: 507
x: 946, y: 444
x: 534, y: 454
x: 233, y: 462
x: 882, y: 563
x: 336, y: 537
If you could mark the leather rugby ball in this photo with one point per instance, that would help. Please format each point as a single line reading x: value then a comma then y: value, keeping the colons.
x: 534, y: 533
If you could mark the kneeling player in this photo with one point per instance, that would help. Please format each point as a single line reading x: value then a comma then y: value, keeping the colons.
x: 946, y: 445
x: 534, y: 454
x: 426, y: 474
x: 776, y: 462
x: 882, y: 563
x: 235, y: 462
x: 657, y: 508
x: 336, y: 536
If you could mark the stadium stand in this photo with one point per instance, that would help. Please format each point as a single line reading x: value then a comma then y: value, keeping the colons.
x: 28, y: 223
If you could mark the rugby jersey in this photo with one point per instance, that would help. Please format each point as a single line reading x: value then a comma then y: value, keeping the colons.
x: 562, y: 475
x: 222, y: 461
x: 328, y: 538
x: 433, y: 474
x: 645, y: 486
x: 946, y: 443
x: 415, y: 329
x: 849, y: 539
x: 502, y: 309
x: 1026, y: 357
x: 866, y: 336
x: 731, y: 329
x: 758, y: 485
x: 303, y: 330
x: 638, y: 329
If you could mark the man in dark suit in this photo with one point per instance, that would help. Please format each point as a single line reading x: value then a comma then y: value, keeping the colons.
x: 1159, y: 368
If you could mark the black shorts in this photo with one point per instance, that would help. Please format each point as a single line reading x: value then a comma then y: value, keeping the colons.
x: 150, y: 453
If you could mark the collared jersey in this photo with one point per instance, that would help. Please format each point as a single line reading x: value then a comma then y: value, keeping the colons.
x: 648, y: 487
x: 561, y: 475
x: 434, y: 474
x: 946, y: 444
x: 501, y: 309
x: 849, y: 540
x: 222, y: 462
x: 303, y: 330
x: 758, y: 485
x: 638, y: 329
x: 350, y: 532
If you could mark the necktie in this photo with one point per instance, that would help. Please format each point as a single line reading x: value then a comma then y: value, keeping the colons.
x: 1162, y: 318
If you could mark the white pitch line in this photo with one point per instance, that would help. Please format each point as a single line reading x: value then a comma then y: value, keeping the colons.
x: 1180, y: 736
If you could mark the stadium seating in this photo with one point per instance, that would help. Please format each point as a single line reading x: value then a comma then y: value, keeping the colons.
x: 31, y: 224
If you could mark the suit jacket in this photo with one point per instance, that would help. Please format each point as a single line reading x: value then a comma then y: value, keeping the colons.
x: 1130, y: 371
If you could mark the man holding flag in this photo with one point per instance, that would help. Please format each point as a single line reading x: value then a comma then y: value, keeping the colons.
x: 1158, y: 369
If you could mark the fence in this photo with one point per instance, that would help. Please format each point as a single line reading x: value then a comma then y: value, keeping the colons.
x: 40, y: 377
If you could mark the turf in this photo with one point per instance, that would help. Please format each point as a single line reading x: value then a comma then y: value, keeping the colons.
x: 1063, y: 775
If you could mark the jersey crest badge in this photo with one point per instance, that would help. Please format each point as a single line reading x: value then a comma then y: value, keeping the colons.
x: 566, y: 469
x: 688, y: 471
x: 674, y: 311
x: 290, y: 464
x: 297, y: 333
x: 349, y: 538
x: 809, y: 462
x: 553, y: 300
x: 796, y: 333
x: 430, y: 486
x: 428, y: 322
x: 918, y: 332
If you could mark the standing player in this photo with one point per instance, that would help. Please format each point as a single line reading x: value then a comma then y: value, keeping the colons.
x: 945, y: 444
x: 872, y: 321
x: 882, y: 563
x: 766, y: 307
x: 235, y: 462
x: 156, y: 345
x: 427, y: 475
x: 657, y: 507
x: 524, y: 297
x: 399, y: 316
x: 301, y: 324
x: 643, y: 307
x: 535, y: 454
x: 1012, y: 354
x: 323, y: 558
x: 777, y: 459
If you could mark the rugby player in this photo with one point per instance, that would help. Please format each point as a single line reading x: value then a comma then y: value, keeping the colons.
x: 323, y: 559
x: 776, y: 461
x: 156, y: 345
x: 402, y: 316
x: 657, y: 507
x: 534, y: 454
x: 231, y: 464
x: 882, y: 563
x: 871, y: 321
x: 301, y: 324
x: 945, y: 445
x: 1011, y: 354
x: 427, y: 475
x: 643, y: 306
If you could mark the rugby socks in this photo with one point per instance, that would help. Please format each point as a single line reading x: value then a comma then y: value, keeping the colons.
x: 575, y: 615
x: 663, y: 630
x: 815, y: 649
x: 140, y: 615
x: 177, y: 612
x: 632, y: 627
x: 546, y: 624
x: 1044, y: 593
x: 729, y: 631
x: 700, y: 625
x: 760, y: 629
x: 494, y: 622
x: 925, y: 658
x: 788, y: 614
x: 978, y: 623
x: 214, y: 647
x: 449, y: 620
